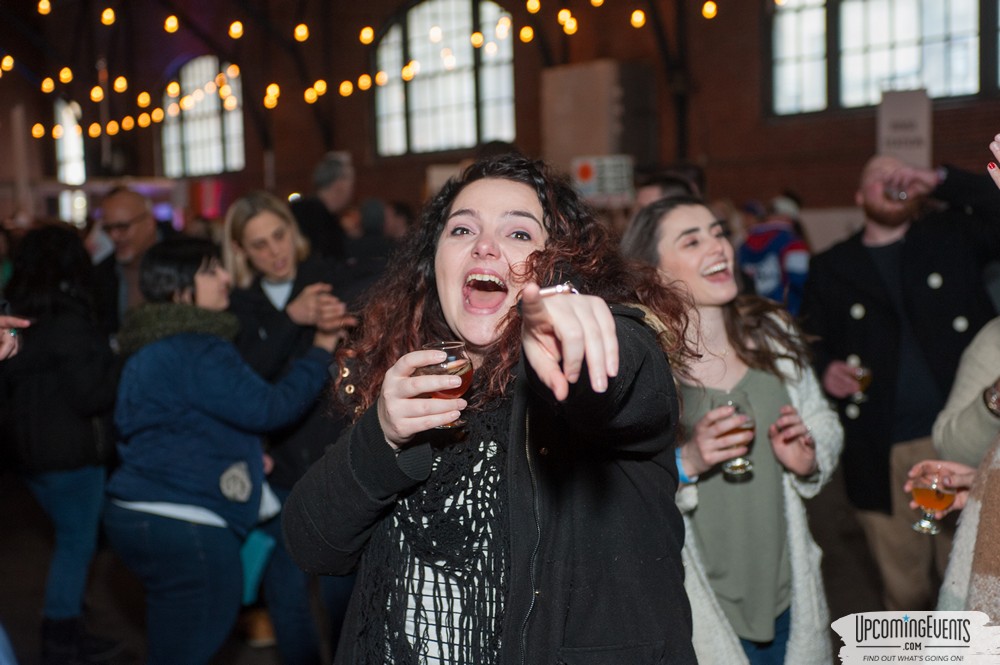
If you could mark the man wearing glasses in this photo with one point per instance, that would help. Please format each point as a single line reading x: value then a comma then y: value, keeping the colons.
x: 127, y: 218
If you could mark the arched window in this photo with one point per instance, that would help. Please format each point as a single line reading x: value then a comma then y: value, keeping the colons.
x: 203, y: 125
x: 70, y: 164
x: 445, y: 78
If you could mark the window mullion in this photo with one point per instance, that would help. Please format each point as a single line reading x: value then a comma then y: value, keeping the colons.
x: 833, y: 54
x: 477, y: 62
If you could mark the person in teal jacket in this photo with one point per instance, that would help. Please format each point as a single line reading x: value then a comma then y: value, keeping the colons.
x: 191, y: 484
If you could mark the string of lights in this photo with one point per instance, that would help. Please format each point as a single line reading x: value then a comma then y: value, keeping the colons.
x: 146, y: 114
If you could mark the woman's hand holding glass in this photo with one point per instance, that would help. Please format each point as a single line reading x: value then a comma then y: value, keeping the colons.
x: 405, y: 408
x: 792, y: 442
x: 956, y: 476
x: 717, y: 438
x: 560, y: 332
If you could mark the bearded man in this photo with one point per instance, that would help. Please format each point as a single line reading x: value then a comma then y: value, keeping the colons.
x: 902, y: 297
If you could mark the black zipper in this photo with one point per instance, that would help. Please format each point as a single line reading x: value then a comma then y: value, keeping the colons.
x: 538, y: 538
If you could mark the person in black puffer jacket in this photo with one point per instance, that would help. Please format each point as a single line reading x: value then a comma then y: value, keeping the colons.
x: 57, y: 394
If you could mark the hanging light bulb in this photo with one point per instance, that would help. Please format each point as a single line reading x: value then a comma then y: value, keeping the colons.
x: 709, y: 10
x: 310, y: 95
x: 108, y: 16
x: 128, y: 123
x: 346, y: 88
x: 233, y: 71
x: 320, y: 87
x: 570, y: 26
x: 596, y: 3
x: 476, y: 39
x: 156, y: 115
x: 270, y: 102
x: 173, y: 89
x: 563, y: 16
x: 44, y: 7
x: 381, y: 78
x: 170, y: 24
x: 143, y: 120
x: 638, y: 18
x: 533, y: 6
x: 96, y: 94
x: 7, y: 63
x: 143, y: 100
x: 364, y: 82
x: 526, y: 34
x: 301, y: 32
x: 367, y: 35
x: 120, y: 84
x: 236, y: 29
x: 435, y: 34
x: 94, y: 130
x: 273, y: 90
x: 112, y: 128
x: 230, y: 103
x: 174, y: 109
x: 38, y: 130
x: 48, y: 85
x: 65, y: 75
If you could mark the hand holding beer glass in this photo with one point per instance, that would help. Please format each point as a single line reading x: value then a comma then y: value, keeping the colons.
x: 738, y: 467
x: 457, y: 363
x: 933, y: 490
x: 863, y: 375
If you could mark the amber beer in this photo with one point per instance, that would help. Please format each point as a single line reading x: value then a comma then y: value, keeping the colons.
x: 744, y: 427
x: 934, y: 498
x: 864, y: 377
x: 460, y: 367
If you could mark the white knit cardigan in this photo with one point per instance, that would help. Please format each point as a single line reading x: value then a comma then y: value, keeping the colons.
x: 715, y: 643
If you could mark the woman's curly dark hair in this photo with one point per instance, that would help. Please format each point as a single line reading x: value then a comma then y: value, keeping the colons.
x: 403, y: 310
x: 760, y: 330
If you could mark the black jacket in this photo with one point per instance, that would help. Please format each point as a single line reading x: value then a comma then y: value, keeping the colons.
x: 847, y: 306
x: 595, y: 537
x: 57, y: 393
x: 269, y: 341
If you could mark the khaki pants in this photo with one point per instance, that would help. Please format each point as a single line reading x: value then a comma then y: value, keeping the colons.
x: 911, y: 564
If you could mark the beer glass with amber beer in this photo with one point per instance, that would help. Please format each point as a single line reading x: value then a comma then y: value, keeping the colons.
x: 457, y: 362
x: 932, y: 495
x: 737, y: 468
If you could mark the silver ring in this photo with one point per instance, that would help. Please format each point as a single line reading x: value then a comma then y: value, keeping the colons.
x: 565, y: 287
x: 12, y: 332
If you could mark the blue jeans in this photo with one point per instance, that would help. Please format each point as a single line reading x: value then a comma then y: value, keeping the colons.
x: 773, y: 652
x: 72, y: 500
x: 286, y: 592
x: 192, y: 578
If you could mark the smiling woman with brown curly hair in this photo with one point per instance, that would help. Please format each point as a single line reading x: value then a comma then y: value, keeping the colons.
x: 546, y: 529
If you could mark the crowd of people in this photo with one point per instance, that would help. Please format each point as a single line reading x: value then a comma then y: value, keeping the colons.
x: 250, y: 420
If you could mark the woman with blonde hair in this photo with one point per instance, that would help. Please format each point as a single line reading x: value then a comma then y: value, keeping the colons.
x: 283, y: 298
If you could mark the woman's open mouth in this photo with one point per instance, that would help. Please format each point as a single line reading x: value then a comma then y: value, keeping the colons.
x: 484, y: 291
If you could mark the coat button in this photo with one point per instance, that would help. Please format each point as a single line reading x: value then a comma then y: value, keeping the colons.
x: 857, y: 311
x: 345, y: 372
x: 934, y: 280
x: 852, y: 411
x: 960, y: 324
x: 349, y: 389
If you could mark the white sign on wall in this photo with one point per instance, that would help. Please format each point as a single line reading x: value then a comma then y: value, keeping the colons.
x: 904, y: 126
